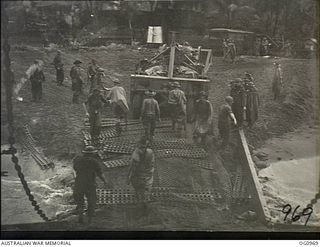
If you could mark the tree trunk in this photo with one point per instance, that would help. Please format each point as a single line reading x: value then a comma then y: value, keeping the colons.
x: 131, y: 29
x: 275, y: 25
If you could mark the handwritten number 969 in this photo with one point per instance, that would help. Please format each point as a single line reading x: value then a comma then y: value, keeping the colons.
x: 295, y: 215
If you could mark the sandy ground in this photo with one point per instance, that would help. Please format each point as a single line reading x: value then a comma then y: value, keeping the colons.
x: 294, y: 173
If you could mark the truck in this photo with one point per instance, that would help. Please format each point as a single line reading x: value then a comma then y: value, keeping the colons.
x: 182, y: 63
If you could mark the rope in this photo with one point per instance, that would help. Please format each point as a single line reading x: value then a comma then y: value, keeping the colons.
x: 9, y: 79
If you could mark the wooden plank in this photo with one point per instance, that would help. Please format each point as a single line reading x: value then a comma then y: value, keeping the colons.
x: 155, y: 57
x: 171, y: 62
x: 208, y: 63
x: 170, y: 79
x: 264, y: 213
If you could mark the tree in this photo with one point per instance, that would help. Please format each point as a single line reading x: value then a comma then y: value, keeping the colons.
x: 131, y: 9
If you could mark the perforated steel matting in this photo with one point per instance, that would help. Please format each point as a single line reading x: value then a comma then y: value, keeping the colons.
x: 109, y: 197
x: 28, y: 143
x: 174, y: 177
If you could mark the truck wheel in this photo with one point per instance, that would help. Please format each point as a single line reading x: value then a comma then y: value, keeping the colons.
x: 136, y: 106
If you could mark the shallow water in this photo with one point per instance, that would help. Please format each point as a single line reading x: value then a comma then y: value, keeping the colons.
x: 293, y: 182
x: 47, y: 187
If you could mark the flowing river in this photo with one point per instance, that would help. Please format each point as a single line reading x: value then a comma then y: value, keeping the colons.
x: 51, y: 189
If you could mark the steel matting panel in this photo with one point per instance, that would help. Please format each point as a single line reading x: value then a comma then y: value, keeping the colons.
x: 240, y: 189
x: 29, y: 143
x: 165, y: 153
x: 236, y: 190
x: 192, y: 153
x: 160, y: 134
x: 112, y: 133
x: 130, y: 127
x: 129, y: 121
x: 203, y: 164
x: 155, y: 145
x: 122, y: 149
x: 116, y: 163
x: 110, y: 197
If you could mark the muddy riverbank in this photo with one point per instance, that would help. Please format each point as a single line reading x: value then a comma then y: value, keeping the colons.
x: 293, y: 173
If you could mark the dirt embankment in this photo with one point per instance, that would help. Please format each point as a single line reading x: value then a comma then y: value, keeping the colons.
x: 56, y: 123
x: 300, y: 96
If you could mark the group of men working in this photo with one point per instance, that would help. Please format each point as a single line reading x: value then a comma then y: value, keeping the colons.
x: 242, y: 104
x: 246, y: 99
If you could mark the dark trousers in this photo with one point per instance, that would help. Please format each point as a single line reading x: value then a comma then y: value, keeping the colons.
x: 276, y: 91
x: 76, y: 96
x: 60, y: 76
x: 149, y: 124
x: 238, y: 112
x: 36, y: 90
x: 77, y: 90
x: 224, y: 132
x: 89, y: 192
x: 95, y: 124
x: 178, y: 119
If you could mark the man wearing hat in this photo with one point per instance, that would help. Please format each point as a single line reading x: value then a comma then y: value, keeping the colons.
x: 177, y: 103
x: 117, y: 97
x: 238, y: 93
x: 77, y: 82
x: 87, y: 166
x: 150, y: 113
x: 36, y: 77
x: 97, y: 81
x: 277, y: 82
x: 203, y: 118
x: 231, y: 50
x: 225, y: 114
x: 57, y: 62
x: 95, y: 103
x: 252, y: 99
x: 141, y: 170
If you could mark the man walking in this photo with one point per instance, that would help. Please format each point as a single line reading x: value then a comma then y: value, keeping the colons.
x: 223, y: 122
x: 36, y: 77
x: 141, y: 170
x: 150, y: 113
x: 117, y: 97
x: 177, y: 103
x: 95, y: 103
x: 57, y: 62
x: 231, y: 50
x: 87, y: 166
x: 203, y: 118
x: 224, y: 48
x: 277, y: 82
x: 77, y: 81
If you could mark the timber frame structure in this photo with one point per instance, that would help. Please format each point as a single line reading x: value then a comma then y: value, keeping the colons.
x: 190, y: 86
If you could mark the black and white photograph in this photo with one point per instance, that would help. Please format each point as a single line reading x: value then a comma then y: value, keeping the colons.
x: 176, y: 116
